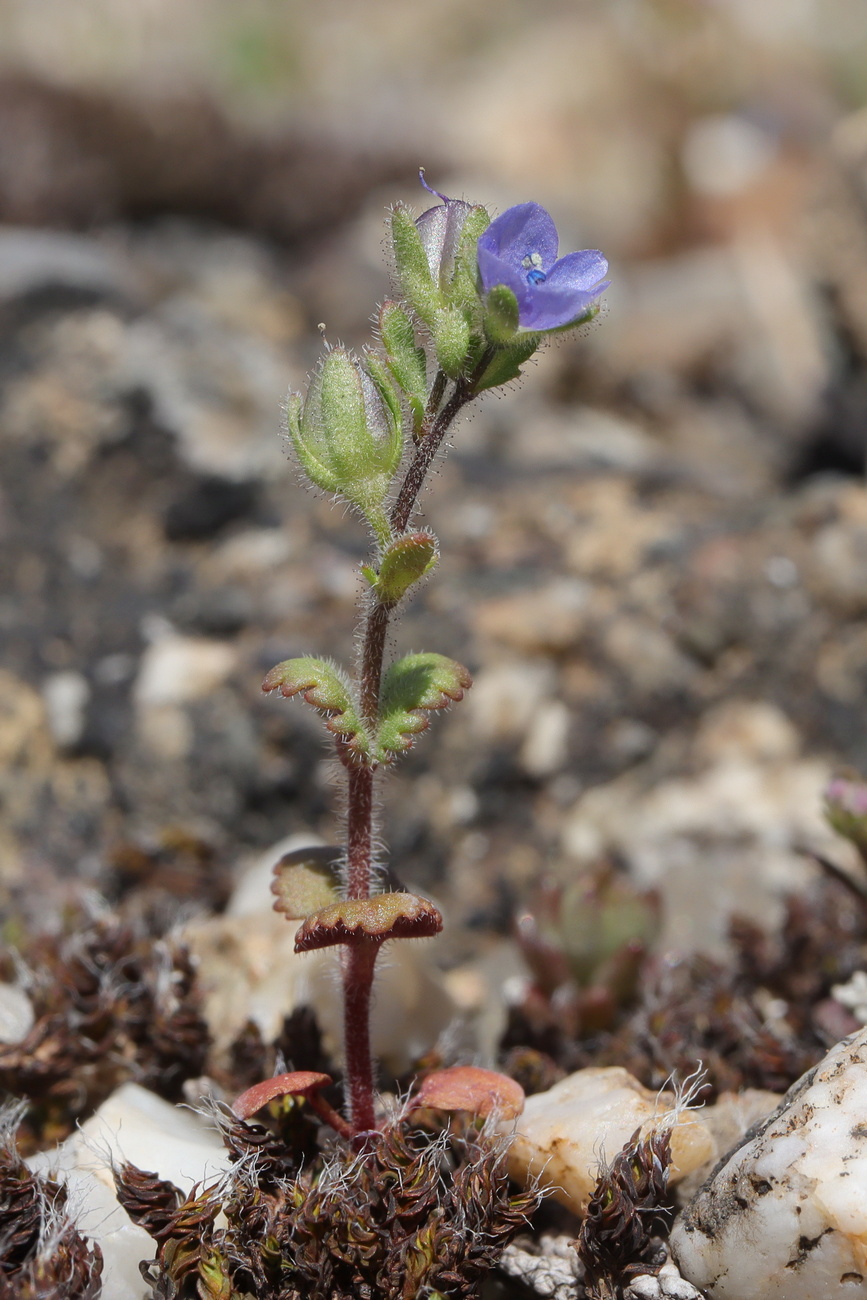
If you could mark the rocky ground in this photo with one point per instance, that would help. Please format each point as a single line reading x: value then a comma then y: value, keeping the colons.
x: 654, y: 548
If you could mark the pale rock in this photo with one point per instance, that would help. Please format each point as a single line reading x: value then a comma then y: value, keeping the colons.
x: 785, y: 1216
x: 16, y: 1013
x: 36, y: 259
x: 724, y: 836
x: 175, y: 671
x: 724, y: 153
x: 727, y: 1120
x: 542, y: 620
x: 132, y: 1125
x: 178, y: 669
x: 550, y: 1272
x: 667, y: 1284
x: 411, y: 1008
x: 582, y: 438
x: 66, y: 695
x: 247, y: 969
x: 566, y: 1136
x: 853, y: 995
x: 546, y: 745
x: 506, y: 697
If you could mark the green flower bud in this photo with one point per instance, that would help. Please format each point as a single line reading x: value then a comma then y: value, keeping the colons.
x: 406, y: 361
x: 348, y: 434
x: 435, y: 257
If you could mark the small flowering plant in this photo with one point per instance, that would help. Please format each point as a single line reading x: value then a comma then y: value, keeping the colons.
x: 474, y: 299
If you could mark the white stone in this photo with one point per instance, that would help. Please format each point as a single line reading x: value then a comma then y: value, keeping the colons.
x: 546, y: 745
x: 177, y: 669
x: 16, y: 1013
x: 853, y: 995
x: 785, y: 1217
x: 565, y: 1136
x: 252, y: 894
x: 66, y: 695
x: 132, y: 1125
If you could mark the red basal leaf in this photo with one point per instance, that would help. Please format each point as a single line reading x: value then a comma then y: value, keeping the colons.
x: 300, y: 1083
x: 467, y: 1087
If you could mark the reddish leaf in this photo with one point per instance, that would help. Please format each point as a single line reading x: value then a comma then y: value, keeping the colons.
x: 300, y: 1083
x: 467, y: 1087
x: 385, y: 916
x: 306, y: 880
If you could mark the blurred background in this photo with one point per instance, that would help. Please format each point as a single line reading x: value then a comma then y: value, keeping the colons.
x: 654, y: 548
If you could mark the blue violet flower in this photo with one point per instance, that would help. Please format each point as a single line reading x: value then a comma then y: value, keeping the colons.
x: 519, y: 250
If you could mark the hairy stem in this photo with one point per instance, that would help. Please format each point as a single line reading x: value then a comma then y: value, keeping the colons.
x: 360, y: 956
x: 359, y: 832
x: 464, y: 391
x: 358, y: 962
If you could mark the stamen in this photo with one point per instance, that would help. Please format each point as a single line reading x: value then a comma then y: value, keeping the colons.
x: 533, y: 264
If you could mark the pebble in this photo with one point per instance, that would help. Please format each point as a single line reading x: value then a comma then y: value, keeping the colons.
x: 565, y: 1135
x: 179, y: 669
x: 66, y: 695
x: 16, y: 1013
x: 667, y: 1284
x: 721, y: 834
x: 137, y: 1126
x: 785, y: 1216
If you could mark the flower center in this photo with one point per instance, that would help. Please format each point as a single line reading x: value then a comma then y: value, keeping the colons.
x: 533, y: 264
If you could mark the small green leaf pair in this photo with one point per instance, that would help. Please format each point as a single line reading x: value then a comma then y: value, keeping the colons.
x: 411, y: 688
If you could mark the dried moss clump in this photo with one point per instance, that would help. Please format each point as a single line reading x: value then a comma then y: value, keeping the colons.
x: 410, y: 1215
x: 41, y: 1252
x: 109, y: 1005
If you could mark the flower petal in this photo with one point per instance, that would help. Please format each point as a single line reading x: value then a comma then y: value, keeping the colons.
x: 581, y: 270
x: 495, y: 270
x: 440, y: 229
x: 551, y: 307
x: 520, y: 231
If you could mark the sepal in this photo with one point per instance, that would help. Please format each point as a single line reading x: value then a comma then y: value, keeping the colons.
x: 501, y: 315
x: 418, y: 284
x: 406, y: 361
x: 505, y: 365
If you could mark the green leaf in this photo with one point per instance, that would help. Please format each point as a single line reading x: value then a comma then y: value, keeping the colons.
x: 385, y: 916
x: 413, y: 269
x: 306, y: 880
x: 406, y: 361
x: 507, y: 361
x: 404, y: 562
x: 327, y: 688
x: 413, y: 687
